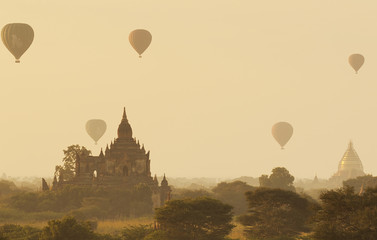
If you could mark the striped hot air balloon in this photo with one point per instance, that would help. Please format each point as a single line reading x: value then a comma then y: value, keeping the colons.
x: 17, y: 37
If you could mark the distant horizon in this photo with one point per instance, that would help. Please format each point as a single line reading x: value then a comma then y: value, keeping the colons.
x: 176, y: 177
x: 208, y: 177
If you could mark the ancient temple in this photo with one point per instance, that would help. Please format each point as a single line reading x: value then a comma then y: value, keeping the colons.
x: 350, y: 165
x: 124, y: 163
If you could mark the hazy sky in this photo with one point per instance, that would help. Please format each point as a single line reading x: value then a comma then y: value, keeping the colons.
x: 216, y: 77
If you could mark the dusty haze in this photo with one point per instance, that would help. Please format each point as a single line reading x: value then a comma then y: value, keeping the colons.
x: 216, y: 77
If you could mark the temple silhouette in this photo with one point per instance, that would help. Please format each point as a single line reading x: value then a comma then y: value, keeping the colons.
x: 350, y: 166
x: 124, y: 163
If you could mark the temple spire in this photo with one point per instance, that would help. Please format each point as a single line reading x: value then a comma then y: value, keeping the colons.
x: 124, y: 114
x: 124, y: 129
x: 107, y: 150
x: 164, y: 182
x: 155, y: 180
x: 315, y: 181
x: 350, y: 144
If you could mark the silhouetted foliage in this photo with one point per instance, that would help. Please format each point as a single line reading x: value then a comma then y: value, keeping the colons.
x: 68, y: 228
x: 84, y: 202
x: 367, y: 181
x: 136, y: 232
x: 67, y: 170
x: 182, y: 193
x: 13, y: 232
x: 62, y: 200
x: 346, y: 215
x: 276, y: 213
x: 25, y: 201
x: 7, y: 187
x: 157, y: 235
x: 201, y: 218
x: 233, y: 194
x: 280, y: 178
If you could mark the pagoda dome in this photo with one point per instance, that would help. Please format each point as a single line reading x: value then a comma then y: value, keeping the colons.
x: 124, y: 129
x: 350, y: 165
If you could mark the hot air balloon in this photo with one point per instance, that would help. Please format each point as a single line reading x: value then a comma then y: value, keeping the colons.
x: 140, y: 40
x: 17, y: 37
x: 282, y: 132
x: 95, y: 128
x: 356, y: 61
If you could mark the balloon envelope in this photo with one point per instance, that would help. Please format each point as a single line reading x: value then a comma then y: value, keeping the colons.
x: 282, y: 132
x: 356, y: 61
x: 17, y: 37
x: 95, y: 128
x: 140, y: 40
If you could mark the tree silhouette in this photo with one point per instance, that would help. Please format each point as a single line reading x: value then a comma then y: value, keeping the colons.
x: 280, y: 178
x: 276, y: 212
x: 67, y: 170
x: 67, y: 229
x: 346, y: 215
x: 200, y: 218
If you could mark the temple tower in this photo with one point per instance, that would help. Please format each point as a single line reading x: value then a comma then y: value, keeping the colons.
x: 350, y: 165
x: 124, y: 163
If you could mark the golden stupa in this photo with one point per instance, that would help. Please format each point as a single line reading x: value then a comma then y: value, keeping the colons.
x: 350, y: 165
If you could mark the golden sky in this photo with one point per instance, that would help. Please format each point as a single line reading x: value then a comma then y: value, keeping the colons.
x: 216, y: 77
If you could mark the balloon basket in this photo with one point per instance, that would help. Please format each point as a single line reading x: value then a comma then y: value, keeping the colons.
x: 139, y: 56
x: 17, y: 61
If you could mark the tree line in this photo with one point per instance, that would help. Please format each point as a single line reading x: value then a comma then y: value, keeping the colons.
x: 272, y: 211
x: 273, y: 214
